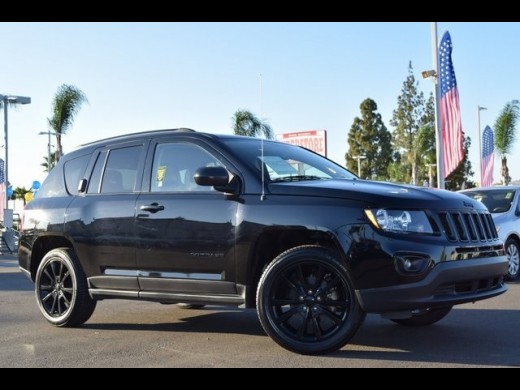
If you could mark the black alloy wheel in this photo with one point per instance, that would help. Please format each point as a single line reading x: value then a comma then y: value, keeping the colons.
x: 62, y: 291
x: 306, y: 301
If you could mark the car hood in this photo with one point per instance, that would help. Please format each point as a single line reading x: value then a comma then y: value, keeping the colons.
x: 503, y: 217
x: 378, y: 194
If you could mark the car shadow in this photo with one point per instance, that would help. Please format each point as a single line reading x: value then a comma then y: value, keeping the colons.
x: 229, y: 320
x: 466, y: 336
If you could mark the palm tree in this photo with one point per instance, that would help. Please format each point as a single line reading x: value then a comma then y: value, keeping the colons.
x: 19, y: 193
x: 45, y: 163
x: 505, y: 135
x: 66, y: 104
x: 247, y: 124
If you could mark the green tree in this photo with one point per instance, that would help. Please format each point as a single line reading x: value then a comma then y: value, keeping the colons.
x: 505, y: 135
x: 369, y: 137
x: 407, y: 119
x: 45, y: 163
x: 19, y: 193
x: 424, y: 143
x: 65, y: 106
x: 247, y: 124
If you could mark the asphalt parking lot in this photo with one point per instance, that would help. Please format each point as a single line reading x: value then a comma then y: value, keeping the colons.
x: 139, y: 334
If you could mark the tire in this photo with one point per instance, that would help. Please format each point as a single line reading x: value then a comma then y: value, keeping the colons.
x: 62, y: 291
x: 189, y: 306
x: 306, y: 301
x: 425, y: 317
x: 513, y: 256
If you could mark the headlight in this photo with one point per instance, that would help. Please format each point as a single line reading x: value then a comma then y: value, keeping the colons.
x: 400, y: 221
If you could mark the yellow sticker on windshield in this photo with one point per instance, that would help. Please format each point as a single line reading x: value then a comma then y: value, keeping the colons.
x: 509, y: 195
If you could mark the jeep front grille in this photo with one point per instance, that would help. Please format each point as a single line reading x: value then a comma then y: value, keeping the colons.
x: 465, y: 226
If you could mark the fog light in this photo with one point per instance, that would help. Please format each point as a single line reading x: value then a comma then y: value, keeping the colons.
x: 409, y: 263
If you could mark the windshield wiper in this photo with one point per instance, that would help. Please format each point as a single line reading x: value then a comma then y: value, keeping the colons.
x: 297, y: 178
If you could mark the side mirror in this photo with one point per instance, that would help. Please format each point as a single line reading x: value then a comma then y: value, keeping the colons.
x: 218, y: 178
x: 212, y: 177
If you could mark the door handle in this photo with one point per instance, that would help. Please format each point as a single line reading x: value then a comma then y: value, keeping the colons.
x: 152, y: 208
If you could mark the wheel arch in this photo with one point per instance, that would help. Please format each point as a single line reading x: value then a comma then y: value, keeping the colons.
x: 275, y: 241
x: 44, y: 245
x: 513, y: 236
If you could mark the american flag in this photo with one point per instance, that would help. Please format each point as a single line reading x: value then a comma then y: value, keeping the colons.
x: 488, y: 157
x: 2, y: 188
x: 453, y: 140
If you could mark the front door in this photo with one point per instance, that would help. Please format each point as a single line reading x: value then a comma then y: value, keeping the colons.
x: 185, y: 232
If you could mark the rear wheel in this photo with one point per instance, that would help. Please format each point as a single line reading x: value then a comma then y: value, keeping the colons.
x: 61, y: 289
x: 424, y: 317
x: 513, y: 256
x: 306, y: 301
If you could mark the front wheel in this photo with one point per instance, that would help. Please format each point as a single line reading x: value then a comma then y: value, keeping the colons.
x: 61, y: 289
x: 513, y: 256
x: 424, y: 317
x: 306, y: 301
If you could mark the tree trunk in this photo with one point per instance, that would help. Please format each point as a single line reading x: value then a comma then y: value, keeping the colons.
x: 506, y: 179
x: 59, y: 148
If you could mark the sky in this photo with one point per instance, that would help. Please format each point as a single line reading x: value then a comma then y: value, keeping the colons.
x: 297, y: 76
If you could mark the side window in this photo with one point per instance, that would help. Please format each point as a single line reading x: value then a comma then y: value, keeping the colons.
x: 54, y: 185
x: 120, y: 173
x: 74, y: 171
x: 174, y: 167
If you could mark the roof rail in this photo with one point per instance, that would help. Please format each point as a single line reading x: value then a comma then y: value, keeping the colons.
x: 185, y: 129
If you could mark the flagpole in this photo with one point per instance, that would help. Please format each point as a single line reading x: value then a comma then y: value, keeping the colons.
x: 436, y: 95
x: 480, y: 144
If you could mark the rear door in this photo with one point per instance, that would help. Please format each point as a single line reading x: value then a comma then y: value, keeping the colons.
x: 185, y: 232
x: 102, y: 220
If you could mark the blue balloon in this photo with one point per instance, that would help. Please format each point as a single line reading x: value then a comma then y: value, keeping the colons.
x: 36, y: 185
x: 10, y: 192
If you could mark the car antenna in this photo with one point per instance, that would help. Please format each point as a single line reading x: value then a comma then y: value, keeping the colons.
x: 262, y: 197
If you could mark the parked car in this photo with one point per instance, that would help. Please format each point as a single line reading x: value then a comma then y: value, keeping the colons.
x: 178, y: 216
x: 504, y: 205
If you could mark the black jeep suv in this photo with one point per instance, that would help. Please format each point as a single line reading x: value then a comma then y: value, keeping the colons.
x: 178, y: 216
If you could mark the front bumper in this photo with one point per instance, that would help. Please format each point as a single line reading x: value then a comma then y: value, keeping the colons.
x: 448, y: 283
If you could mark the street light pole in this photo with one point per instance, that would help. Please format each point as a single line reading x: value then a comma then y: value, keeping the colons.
x: 433, y: 74
x: 9, y: 99
x: 359, y: 158
x: 480, y: 142
x: 49, y: 133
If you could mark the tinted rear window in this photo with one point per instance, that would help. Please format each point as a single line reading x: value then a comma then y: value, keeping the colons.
x: 121, y: 170
x: 53, y: 185
x: 74, y: 172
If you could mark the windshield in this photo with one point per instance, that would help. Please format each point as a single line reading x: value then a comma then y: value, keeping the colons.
x: 284, y: 162
x: 497, y: 201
